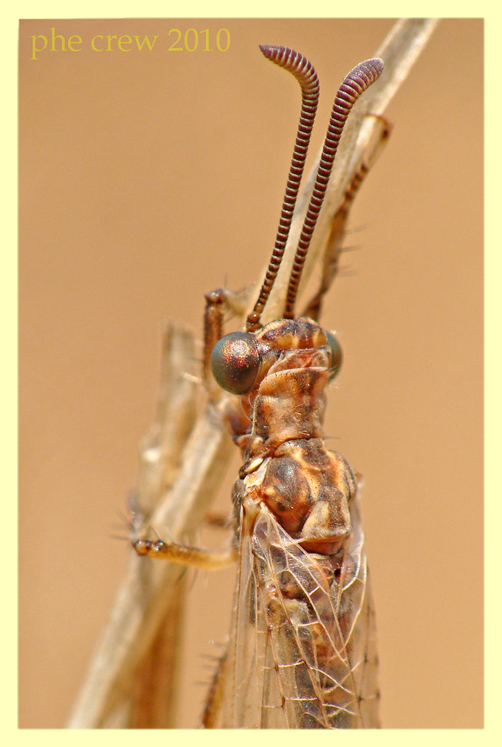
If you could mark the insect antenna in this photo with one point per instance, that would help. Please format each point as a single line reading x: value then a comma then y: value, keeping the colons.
x: 306, y: 76
x: 353, y: 85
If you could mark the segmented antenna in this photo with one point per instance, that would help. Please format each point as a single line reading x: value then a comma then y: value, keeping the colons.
x: 353, y: 85
x: 306, y: 76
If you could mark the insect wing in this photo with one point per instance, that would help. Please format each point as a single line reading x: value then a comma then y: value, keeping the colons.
x: 302, y: 648
x: 248, y: 700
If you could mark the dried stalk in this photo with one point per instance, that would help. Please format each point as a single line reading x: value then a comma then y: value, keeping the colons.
x: 132, y: 676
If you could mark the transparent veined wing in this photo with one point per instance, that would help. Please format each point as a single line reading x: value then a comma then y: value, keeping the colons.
x: 302, y: 647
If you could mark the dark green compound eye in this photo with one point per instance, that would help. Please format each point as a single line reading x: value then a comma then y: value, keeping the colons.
x: 235, y: 362
x: 336, y: 355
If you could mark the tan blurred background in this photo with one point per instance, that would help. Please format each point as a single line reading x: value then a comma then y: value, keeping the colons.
x: 147, y: 179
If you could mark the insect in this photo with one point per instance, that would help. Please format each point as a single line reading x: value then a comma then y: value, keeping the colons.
x: 301, y: 652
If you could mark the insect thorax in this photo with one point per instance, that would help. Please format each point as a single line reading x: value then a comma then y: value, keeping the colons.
x: 286, y: 400
x: 279, y: 426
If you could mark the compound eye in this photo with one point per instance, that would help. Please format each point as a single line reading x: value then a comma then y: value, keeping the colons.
x: 235, y: 362
x: 336, y: 355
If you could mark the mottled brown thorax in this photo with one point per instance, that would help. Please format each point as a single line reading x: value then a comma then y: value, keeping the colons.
x: 287, y: 400
x: 278, y: 425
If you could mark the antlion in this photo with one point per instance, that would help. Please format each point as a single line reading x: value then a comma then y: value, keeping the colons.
x: 302, y: 649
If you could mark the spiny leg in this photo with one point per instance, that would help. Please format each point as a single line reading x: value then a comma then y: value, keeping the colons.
x: 333, y: 249
x: 215, y: 696
x: 218, y: 302
x: 191, y: 556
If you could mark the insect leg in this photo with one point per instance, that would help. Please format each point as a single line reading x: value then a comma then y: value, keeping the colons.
x: 217, y: 303
x: 215, y: 696
x: 192, y: 556
x: 217, y: 520
x: 333, y: 248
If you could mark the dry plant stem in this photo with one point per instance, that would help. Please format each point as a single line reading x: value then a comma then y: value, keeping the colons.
x: 154, y: 684
x: 159, y: 458
x: 153, y: 699
x: 150, y: 593
x: 160, y: 450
